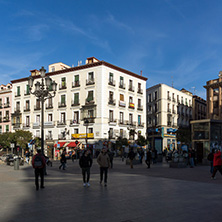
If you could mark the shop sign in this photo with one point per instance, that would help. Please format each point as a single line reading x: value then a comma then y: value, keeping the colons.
x: 83, y: 135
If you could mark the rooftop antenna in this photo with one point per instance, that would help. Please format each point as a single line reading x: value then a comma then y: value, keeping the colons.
x: 172, y: 81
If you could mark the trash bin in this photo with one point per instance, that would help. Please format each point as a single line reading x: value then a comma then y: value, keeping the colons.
x: 16, y: 163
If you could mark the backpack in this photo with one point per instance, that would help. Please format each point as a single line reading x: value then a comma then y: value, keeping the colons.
x: 210, y: 157
x: 38, y: 161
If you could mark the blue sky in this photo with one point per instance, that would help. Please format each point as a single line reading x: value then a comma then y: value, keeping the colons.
x: 171, y: 41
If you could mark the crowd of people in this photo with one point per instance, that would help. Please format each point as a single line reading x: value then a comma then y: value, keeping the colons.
x: 105, y: 161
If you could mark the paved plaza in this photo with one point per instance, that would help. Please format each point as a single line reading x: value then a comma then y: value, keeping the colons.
x: 132, y: 195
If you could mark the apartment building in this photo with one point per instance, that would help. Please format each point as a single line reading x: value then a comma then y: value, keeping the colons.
x: 112, y: 99
x: 5, y: 107
x: 167, y: 110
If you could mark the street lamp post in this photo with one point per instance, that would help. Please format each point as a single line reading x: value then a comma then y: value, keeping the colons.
x: 86, y: 123
x: 42, y: 91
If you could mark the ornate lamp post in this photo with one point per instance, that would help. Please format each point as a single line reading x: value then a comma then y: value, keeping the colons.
x: 86, y: 123
x: 44, y: 90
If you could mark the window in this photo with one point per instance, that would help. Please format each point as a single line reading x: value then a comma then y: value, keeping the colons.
x: 18, y: 106
x: 182, y: 99
x: 27, y: 105
x: 130, y: 118
x: 121, y: 83
x: 63, y: 80
x: 111, y: 116
x: 18, y: 90
x: 27, y: 90
x: 139, y: 102
x: 63, y: 118
x: 38, y: 118
x: 121, y: 97
x: 91, y: 76
x: 186, y: 102
x: 49, y: 102
x: 7, y: 128
x: 76, y: 117
x: 121, y: 133
x: 0, y: 102
x: 139, y: 120
x: 91, y: 113
x: 76, y: 98
x: 130, y: 99
x: 149, y: 108
x: 37, y: 104
x: 149, y: 98
x: 111, y: 77
x: 27, y: 121
x: 155, y: 96
x: 139, y: 87
x: 110, y: 133
x: 7, y: 115
x: 50, y: 117
x: 111, y: 96
x: 168, y: 94
x: 76, y: 131
x: 121, y: 117
x: 130, y: 84
x: 90, y: 130
x: 53, y: 69
x: 63, y: 99
x: 178, y: 99
x: 76, y: 80
x: 90, y: 96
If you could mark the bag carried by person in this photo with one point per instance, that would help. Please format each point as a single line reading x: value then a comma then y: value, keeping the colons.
x: 210, y: 157
x: 38, y: 161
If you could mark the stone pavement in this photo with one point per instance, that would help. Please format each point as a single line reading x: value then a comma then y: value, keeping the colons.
x: 132, y: 195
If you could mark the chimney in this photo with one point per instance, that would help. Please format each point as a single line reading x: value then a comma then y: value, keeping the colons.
x: 141, y: 72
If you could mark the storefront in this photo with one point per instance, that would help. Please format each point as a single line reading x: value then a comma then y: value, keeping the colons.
x: 206, y: 135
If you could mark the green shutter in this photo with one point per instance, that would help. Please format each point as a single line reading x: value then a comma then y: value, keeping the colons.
x: 63, y: 99
x: 90, y: 96
x: 76, y: 98
x: 76, y: 78
x: 18, y: 90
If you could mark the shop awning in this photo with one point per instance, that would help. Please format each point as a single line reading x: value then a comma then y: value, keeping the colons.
x: 61, y: 144
x: 72, y: 144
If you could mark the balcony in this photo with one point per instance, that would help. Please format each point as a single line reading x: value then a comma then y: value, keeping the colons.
x: 122, y: 86
x: 16, y: 125
x: 75, y: 84
x: 62, y: 86
x: 74, y: 122
x: 49, y: 124
x: 140, y: 125
x: 37, y: 107
x: 169, y: 123
x: 131, y: 123
x: 61, y: 123
x: 49, y: 106
x: 140, y: 108
x: 6, y: 119
x: 123, y: 122
x: 6, y: 105
x: 122, y: 104
x: 112, y: 122
x: 112, y: 82
x: 75, y: 103
x: 131, y: 106
x: 112, y: 102
x: 140, y: 91
x: 62, y: 104
x: 89, y: 101
x: 48, y: 137
x: 26, y: 93
x: 169, y: 98
x: 169, y: 110
x: 90, y: 82
x: 174, y: 100
x: 36, y: 125
x: 26, y: 109
x: 131, y: 89
x: 26, y: 125
x: 174, y: 112
x: 17, y: 94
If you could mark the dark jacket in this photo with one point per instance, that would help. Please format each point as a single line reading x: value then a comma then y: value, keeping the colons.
x: 43, y: 161
x: 85, y: 161
x: 148, y: 155
x: 63, y: 158
x: 131, y: 155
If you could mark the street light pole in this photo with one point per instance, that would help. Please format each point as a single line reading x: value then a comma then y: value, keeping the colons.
x: 42, y: 92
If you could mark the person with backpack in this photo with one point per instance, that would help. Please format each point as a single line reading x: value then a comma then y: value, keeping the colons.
x: 38, y: 163
x: 85, y: 163
x: 210, y: 157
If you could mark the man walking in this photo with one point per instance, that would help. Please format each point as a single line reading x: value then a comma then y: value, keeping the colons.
x: 85, y: 163
x: 217, y: 163
x: 104, y: 163
x: 131, y: 156
x: 38, y: 163
x: 63, y: 160
x: 148, y: 158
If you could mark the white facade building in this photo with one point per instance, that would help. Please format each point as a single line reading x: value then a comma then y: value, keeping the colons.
x: 167, y: 110
x: 111, y: 98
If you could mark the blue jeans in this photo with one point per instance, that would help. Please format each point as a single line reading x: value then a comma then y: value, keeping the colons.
x: 211, y: 167
x: 191, y: 162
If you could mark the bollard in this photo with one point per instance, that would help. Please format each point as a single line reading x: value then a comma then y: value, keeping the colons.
x: 16, y: 163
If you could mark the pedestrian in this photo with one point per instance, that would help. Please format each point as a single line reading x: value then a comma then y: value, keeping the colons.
x: 63, y: 160
x: 217, y: 163
x: 210, y: 157
x: 104, y: 163
x: 153, y: 156
x: 38, y: 163
x: 111, y: 155
x: 148, y: 158
x: 27, y: 155
x: 85, y: 163
x: 141, y: 154
x: 131, y: 156
x: 191, y: 154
